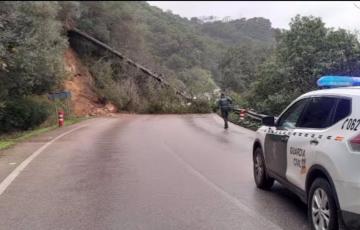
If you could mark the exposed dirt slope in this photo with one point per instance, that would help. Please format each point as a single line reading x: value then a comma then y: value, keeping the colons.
x: 84, y: 100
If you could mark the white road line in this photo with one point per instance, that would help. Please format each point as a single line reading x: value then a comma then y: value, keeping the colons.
x: 257, y: 216
x: 11, y: 177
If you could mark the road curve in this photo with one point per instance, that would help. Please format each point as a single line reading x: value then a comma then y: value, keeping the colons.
x: 143, y: 172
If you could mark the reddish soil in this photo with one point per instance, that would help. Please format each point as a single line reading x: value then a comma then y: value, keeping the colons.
x: 84, y: 101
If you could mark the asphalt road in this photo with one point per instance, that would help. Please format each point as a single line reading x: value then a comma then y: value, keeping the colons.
x: 143, y: 172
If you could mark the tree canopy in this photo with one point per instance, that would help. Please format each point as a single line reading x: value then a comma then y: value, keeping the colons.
x: 303, y: 54
x: 31, y: 48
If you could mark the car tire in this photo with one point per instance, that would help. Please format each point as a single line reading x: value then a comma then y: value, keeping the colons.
x: 262, y: 180
x: 322, y: 210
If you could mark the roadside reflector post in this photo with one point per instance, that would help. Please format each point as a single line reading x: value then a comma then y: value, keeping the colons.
x: 61, y: 118
x: 242, y: 114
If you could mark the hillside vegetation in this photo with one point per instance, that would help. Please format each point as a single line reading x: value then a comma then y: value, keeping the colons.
x: 259, y: 66
x: 186, y: 52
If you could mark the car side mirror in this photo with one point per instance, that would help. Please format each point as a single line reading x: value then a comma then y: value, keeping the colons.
x: 268, y: 121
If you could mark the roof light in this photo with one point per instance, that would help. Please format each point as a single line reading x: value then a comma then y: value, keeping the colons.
x: 338, y: 81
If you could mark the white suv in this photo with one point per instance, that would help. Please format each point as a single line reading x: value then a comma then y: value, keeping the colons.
x: 313, y: 149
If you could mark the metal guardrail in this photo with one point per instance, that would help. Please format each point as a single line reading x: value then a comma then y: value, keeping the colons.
x: 250, y: 113
x: 155, y: 76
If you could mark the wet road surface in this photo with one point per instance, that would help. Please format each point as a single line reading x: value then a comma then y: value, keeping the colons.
x: 143, y: 172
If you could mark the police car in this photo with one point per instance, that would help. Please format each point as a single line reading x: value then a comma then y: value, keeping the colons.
x: 313, y: 149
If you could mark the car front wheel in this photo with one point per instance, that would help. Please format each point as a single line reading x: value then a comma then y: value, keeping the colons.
x: 321, y: 206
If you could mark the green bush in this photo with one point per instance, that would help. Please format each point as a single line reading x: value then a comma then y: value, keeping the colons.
x: 155, y: 108
x: 200, y: 106
x: 23, y: 114
x: 214, y: 106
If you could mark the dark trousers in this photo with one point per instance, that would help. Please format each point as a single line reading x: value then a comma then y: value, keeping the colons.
x: 225, y: 116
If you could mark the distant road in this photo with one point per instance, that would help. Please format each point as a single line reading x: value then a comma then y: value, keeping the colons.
x: 157, y: 172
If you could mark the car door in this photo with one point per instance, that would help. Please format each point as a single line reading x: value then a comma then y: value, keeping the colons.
x: 277, y: 138
x: 309, y: 134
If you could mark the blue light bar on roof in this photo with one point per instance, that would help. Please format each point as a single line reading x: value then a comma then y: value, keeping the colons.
x: 338, y: 81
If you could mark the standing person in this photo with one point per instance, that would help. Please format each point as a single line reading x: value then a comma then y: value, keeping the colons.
x: 224, y: 104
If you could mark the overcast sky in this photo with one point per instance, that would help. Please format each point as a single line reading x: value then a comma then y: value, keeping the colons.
x: 334, y: 14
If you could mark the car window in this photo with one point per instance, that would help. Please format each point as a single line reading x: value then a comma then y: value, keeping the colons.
x: 318, y: 113
x: 290, y: 117
x: 343, y: 110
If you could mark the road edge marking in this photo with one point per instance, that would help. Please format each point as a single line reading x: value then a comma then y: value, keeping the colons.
x: 252, y: 213
x: 16, y: 172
